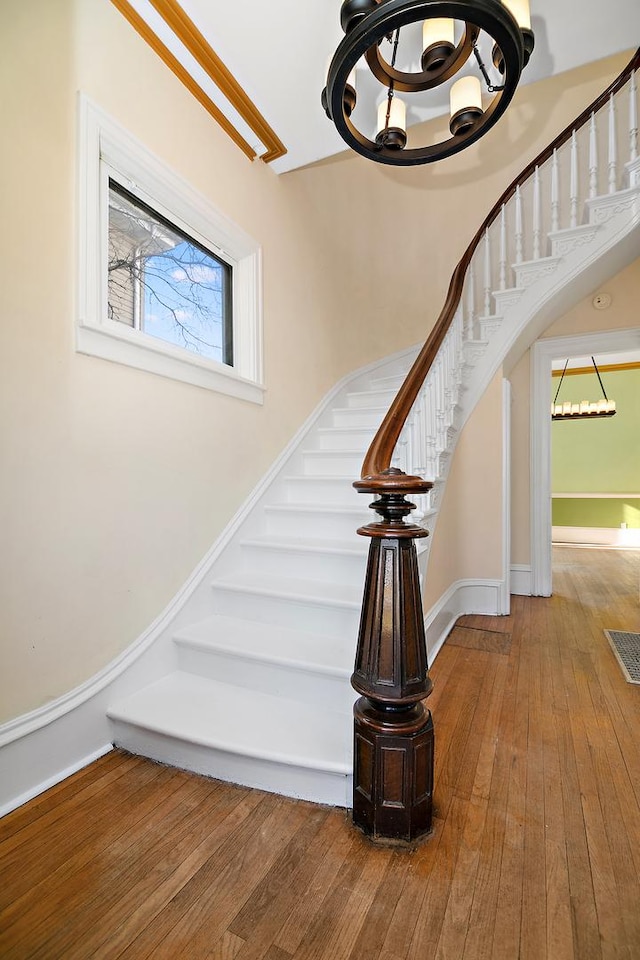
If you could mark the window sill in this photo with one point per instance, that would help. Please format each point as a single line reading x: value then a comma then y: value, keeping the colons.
x: 135, y: 349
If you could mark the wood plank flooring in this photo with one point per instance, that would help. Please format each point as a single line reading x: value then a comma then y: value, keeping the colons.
x: 535, y: 851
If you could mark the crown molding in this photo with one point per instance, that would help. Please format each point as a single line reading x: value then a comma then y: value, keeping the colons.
x: 196, y: 45
x: 603, y: 368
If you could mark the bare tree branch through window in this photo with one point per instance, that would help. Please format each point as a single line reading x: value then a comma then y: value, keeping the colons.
x: 164, y: 283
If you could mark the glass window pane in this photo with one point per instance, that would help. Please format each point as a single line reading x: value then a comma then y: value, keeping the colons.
x: 164, y: 283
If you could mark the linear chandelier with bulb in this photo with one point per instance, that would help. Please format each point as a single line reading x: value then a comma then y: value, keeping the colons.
x: 583, y: 410
x: 451, y: 32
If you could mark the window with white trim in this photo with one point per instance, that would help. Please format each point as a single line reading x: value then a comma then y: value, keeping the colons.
x: 167, y: 283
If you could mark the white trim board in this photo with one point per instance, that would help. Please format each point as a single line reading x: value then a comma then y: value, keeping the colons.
x: 463, y: 597
x: 58, y: 777
x: 505, y: 593
x: 597, y: 536
x: 543, y: 352
x: 521, y: 579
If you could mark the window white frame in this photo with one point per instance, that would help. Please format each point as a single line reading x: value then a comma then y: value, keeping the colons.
x: 106, y: 150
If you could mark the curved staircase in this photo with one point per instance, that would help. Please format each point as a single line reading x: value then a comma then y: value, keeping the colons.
x: 249, y: 681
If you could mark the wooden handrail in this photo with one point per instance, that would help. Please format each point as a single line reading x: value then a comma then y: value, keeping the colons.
x: 378, y: 457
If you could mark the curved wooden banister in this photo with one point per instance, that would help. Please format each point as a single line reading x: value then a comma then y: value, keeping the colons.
x: 379, y: 455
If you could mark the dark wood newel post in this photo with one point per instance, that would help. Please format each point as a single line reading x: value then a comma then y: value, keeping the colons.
x: 393, y: 731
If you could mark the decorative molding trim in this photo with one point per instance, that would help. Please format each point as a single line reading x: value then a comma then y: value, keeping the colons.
x: 533, y: 270
x: 462, y: 597
x: 193, y: 41
x: 521, y: 579
x: 566, y: 241
x: 595, y: 496
x: 505, y: 589
x: 606, y: 368
x: 489, y: 326
x: 603, y: 208
x: 543, y: 352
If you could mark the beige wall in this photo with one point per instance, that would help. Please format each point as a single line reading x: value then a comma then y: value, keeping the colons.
x: 467, y: 542
x: 582, y: 318
x: 399, y: 232
x: 115, y: 481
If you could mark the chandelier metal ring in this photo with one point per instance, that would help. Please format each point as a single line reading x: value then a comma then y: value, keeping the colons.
x: 426, y: 79
x: 387, y: 16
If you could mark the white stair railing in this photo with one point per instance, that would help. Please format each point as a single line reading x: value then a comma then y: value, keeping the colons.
x: 550, y: 200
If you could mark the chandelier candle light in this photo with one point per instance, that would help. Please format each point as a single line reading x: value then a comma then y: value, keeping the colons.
x: 583, y: 410
x: 452, y: 32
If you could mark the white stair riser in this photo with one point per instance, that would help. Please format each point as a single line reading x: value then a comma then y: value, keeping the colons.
x: 288, y: 562
x: 322, y: 491
x: 340, y: 439
x: 319, y: 786
x: 332, y: 463
x: 377, y: 398
x: 354, y: 417
x: 336, y: 621
x: 388, y: 383
x: 306, y: 686
x: 317, y: 525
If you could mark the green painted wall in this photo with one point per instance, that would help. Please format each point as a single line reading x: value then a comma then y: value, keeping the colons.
x: 595, y: 513
x: 598, y: 456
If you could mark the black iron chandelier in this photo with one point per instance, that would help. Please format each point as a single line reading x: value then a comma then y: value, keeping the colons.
x: 451, y: 31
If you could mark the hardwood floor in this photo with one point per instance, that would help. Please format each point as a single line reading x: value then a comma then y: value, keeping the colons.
x: 535, y: 852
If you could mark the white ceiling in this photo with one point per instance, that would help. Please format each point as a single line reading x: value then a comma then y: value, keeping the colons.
x: 278, y: 50
x: 602, y: 359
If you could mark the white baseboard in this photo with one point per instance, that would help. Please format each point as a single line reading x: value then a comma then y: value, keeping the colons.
x: 462, y: 597
x: 521, y: 579
x: 601, y: 536
x: 57, y: 777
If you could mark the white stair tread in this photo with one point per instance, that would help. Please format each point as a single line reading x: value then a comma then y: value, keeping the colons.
x: 333, y: 454
x: 290, y: 588
x: 380, y: 409
x: 236, y: 720
x: 337, y: 508
x: 320, y: 478
x: 355, y: 546
x: 270, y: 643
x: 346, y: 431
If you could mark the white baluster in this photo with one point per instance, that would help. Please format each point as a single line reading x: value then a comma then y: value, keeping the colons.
x: 573, y: 182
x: 633, y: 119
x: 537, y: 214
x: 487, y: 274
x: 471, y: 301
x: 431, y: 426
x: 593, y: 157
x: 518, y: 225
x: 555, y: 193
x: 613, y: 157
x: 503, y: 249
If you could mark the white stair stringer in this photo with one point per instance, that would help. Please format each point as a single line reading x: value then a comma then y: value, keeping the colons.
x: 260, y: 693
x: 262, y: 651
